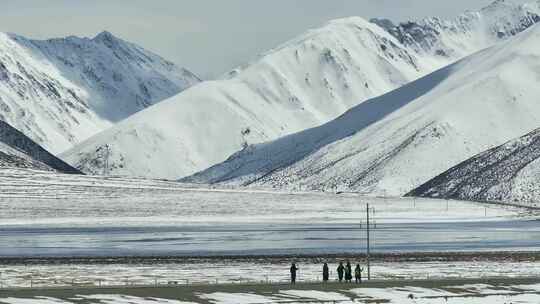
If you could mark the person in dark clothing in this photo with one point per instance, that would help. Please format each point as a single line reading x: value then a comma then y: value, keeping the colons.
x: 340, y: 271
x: 325, y: 273
x: 348, y: 272
x: 294, y: 269
x: 358, y: 274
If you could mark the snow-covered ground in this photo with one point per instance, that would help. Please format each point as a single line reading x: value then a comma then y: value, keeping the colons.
x: 47, y: 213
x: 36, y: 197
x: 233, y: 271
x: 451, y: 294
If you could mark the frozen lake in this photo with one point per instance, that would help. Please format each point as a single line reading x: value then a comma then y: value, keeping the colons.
x: 59, y: 215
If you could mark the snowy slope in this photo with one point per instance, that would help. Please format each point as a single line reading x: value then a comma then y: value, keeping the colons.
x: 61, y: 91
x: 301, y: 84
x: 19, y: 151
x: 393, y: 143
x: 510, y: 172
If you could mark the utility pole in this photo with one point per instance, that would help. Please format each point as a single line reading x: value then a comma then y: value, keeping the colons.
x: 367, y: 230
x: 368, y: 237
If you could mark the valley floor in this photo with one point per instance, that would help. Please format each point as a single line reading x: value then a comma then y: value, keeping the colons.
x: 49, y: 216
x: 46, y: 214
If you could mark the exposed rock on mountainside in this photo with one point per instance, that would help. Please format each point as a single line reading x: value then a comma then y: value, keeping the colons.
x: 507, y: 173
x: 18, y: 151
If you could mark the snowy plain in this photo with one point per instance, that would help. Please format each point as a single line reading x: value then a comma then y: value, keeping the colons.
x: 46, y: 214
x: 228, y: 271
x: 40, y: 197
x: 450, y: 294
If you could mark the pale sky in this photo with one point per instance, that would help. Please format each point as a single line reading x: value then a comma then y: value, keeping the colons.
x: 209, y: 37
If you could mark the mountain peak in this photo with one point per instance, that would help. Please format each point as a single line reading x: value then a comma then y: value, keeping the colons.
x: 61, y: 91
x: 104, y: 35
x: 107, y: 38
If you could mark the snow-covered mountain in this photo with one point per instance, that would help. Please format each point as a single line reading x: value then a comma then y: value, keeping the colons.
x: 19, y: 151
x: 59, y: 92
x: 301, y: 84
x: 507, y: 173
x: 467, y: 33
x: 393, y: 143
x: 304, y: 83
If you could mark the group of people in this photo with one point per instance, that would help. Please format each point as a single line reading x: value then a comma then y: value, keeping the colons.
x: 344, y: 272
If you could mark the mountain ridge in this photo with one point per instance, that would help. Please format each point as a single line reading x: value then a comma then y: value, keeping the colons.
x: 505, y: 173
x: 384, y: 146
x: 300, y: 84
x: 61, y: 91
x: 290, y: 89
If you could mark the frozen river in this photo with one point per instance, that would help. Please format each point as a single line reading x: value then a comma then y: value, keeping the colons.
x: 44, y: 215
x: 266, y: 238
